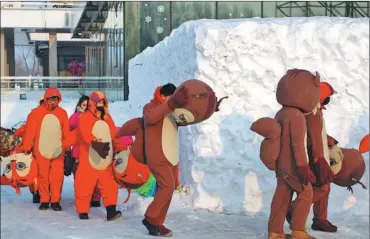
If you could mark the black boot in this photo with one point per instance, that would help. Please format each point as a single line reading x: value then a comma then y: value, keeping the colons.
x: 160, y: 231
x: 84, y: 216
x: 95, y: 204
x: 44, y: 206
x: 112, y: 213
x: 36, y: 197
x: 56, y: 206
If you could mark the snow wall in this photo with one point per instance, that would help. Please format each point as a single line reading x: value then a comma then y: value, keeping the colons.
x: 245, y: 59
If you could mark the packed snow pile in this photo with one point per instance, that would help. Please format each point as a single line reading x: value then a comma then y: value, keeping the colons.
x: 245, y: 59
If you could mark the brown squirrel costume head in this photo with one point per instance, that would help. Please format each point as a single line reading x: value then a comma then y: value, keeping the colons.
x: 348, y: 165
x: 202, y: 103
x: 300, y: 89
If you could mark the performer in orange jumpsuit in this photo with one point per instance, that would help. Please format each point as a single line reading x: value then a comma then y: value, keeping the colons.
x: 46, y: 130
x: 20, y: 133
x: 96, y: 134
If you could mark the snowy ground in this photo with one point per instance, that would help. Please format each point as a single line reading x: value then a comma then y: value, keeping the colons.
x: 22, y: 219
x: 243, y: 59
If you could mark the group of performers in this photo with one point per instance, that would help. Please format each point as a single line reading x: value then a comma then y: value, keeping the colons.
x: 296, y: 147
x: 89, y: 145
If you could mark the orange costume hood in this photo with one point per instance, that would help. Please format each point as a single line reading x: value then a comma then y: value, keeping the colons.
x: 51, y: 92
x: 95, y: 97
x: 157, y: 95
x: 326, y: 90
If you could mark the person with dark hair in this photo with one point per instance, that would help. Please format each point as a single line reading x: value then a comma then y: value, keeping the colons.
x: 97, y: 147
x: 71, y: 161
x: 162, y: 158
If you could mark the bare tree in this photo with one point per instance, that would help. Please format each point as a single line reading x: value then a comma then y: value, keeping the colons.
x: 24, y: 61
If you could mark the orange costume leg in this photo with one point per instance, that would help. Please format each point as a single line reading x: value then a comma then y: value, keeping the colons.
x: 108, y: 187
x: 56, y: 178
x: 43, y: 178
x: 165, y: 174
x: 85, y: 181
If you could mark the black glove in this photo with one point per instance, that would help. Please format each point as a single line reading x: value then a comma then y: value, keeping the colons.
x: 74, y: 168
x: 101, y: 148
x: 68, y: 163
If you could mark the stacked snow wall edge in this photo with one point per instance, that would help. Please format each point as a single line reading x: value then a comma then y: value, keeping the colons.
x: 245, y: 59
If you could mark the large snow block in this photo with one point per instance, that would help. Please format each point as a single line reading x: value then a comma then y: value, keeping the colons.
x: 245, y: 59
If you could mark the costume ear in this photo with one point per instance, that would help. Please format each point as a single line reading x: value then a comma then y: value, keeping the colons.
x: 219, y: 102
x: 331, y: 141
x: 364, y: 144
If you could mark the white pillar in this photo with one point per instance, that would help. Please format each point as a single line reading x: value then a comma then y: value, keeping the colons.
x: 53, y: 55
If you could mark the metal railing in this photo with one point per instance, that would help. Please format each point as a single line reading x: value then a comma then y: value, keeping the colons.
x: 112, y: 86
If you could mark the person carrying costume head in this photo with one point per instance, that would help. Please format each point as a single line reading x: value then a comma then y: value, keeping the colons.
x: 20, y: 133
x: 284, y: 151
x: 72, y: 161
x: 97, y: 146
x: 163, y: 163
x: 46, y: 130
x: 318, y: 152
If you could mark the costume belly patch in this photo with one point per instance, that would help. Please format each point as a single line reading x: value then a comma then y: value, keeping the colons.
x: 101, y: 131
x: 170, y: 140
x: 50, y: 141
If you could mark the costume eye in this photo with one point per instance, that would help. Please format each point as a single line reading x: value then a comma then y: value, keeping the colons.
x: 332, y: 162
x: 8, y: 167
x: 118, y: 162
x: 182, y: 118
x: 21, y: 166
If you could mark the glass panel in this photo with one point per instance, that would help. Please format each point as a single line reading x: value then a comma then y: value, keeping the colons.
x: 154, y: 22
x: 283, y: 9
x: 299, y: 9
x: 185, y: 11
x: 269, y: 9
x: 318, y: 9
x: 337, y: 9
x: 227, y: 10
x: 360, y: 9
x: 291, y: 9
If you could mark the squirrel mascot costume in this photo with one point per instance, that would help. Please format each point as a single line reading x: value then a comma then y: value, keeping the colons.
x: 284, y: 150
x: 191, y: 103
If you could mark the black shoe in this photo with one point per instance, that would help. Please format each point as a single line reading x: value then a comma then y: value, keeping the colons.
x: 84, y: 216
x: 95, y: 204
x: 56, y: 206
x: 160, y: 231
x: 36, y: 197
x: 112, y: 213
x: 44, y: 206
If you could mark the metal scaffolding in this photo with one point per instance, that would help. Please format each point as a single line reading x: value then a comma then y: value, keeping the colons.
x: 323, y: 8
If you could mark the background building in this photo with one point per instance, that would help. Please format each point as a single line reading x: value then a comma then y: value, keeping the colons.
x: 147, y: 23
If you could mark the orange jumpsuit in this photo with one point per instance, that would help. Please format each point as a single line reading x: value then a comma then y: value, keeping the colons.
x: 20, y: 132
x: 92, y: 169
x: 46, y: 131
